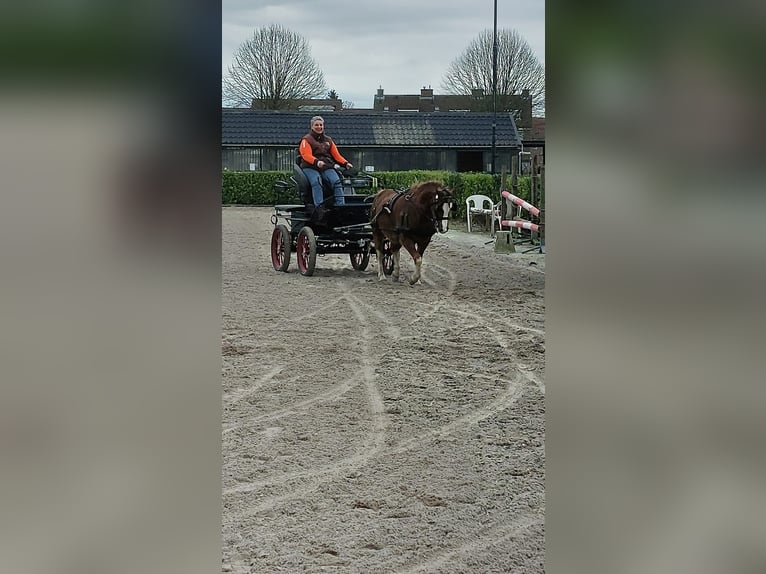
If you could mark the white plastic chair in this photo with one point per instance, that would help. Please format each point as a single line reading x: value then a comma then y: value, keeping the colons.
x: 480, y: 205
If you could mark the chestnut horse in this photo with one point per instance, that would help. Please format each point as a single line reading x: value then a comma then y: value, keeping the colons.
x: 409, y: 219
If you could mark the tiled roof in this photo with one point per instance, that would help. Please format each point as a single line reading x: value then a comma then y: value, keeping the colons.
x: 245, y: 126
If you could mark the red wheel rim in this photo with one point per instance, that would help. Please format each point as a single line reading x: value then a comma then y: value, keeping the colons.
x: 277, y: 249
x: 303, y: 252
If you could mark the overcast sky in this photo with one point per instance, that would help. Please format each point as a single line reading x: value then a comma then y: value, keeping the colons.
x: 399, y: 45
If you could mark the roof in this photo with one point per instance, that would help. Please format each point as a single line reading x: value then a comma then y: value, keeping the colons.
x: 304, y: 104
x: 245, y: 126
x: 427, y: 101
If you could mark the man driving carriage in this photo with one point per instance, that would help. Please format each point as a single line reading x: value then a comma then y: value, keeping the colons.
x: 318, y: 158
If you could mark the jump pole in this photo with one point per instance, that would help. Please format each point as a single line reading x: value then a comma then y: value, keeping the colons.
x: 521, y: 224
x: 518, y: 201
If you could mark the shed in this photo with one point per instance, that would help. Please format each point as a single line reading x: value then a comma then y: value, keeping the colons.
x: 266, y: 140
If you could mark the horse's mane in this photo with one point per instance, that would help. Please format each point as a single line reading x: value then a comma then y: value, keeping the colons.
x: 426, y: 184
x: 429, y: 187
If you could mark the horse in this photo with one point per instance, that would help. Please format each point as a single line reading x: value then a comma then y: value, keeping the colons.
x: 409, y: 219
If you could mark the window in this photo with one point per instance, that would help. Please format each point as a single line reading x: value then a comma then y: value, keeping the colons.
x: 286, y: 159
x: 239, y: 159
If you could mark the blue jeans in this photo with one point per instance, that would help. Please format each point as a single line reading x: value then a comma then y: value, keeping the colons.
x: 330, y: 176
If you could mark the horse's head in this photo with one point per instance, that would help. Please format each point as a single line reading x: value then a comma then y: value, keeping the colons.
x: 441, y: 204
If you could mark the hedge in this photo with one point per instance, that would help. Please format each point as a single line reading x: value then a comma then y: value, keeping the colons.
x: 257, y: 187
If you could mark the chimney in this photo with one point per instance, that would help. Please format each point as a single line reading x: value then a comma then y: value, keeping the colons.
x: 379, y: 95
x: 426, y: 93
x: 477, y: 93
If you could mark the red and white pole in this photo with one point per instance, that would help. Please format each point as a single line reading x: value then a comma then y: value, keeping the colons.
x: 518, y: 201
x: 521, y: 224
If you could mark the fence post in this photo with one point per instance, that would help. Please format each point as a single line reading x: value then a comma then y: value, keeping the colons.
x: 533, y: 193
x: 542, y: 208
x: 514, y: 182
x: 503, y: 177
x: 515, y: 175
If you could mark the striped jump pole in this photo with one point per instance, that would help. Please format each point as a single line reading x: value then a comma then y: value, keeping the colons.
x: 521, y: 224
x: 518, y: 201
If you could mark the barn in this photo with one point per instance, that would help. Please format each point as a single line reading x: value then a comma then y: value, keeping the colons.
x: 267, y: 140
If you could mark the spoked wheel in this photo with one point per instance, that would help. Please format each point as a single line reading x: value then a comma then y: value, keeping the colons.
x: 359, y: 261
x: 307, y: 251
x: 387, y: 258
x: 280, y: 248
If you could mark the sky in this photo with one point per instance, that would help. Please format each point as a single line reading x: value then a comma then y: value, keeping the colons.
x: 398, y: 45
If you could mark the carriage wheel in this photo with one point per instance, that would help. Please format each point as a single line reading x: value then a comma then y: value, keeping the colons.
x: 359, y: 261
x: 280, y: 248
x: 387, y: 258
x: 307, y: 251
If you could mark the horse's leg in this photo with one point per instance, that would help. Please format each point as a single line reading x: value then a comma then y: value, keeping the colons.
x: 395, y: 273
x: 377, y: 241
x: 410, y: 246
x: 422, y: 244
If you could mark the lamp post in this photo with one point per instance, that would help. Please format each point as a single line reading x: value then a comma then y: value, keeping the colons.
x: 494, y: 91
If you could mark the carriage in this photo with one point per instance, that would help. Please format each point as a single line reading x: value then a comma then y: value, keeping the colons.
x: 311, y: 231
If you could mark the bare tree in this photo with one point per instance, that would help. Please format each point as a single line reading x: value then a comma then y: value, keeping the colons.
x: 517, y: 69
x: 273, y: 66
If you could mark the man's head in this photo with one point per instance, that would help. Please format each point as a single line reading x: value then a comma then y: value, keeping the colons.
x: 317, y: 124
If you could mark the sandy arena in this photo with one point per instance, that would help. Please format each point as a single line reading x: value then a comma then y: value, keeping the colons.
x: 377, y: 427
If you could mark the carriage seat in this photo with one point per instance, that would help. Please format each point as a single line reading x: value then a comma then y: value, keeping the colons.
x: 304, y: 187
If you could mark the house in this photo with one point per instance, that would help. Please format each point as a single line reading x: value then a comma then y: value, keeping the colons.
x: 531, y: 129
x: 533, y: 144
x: 263, y: 140
x: 519, y: 104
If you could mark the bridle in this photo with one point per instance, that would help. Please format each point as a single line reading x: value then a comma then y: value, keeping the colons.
x: 442, y: 197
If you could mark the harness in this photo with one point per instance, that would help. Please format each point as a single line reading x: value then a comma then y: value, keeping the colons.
x: 388, y: 206
x: 397, y: 194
